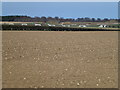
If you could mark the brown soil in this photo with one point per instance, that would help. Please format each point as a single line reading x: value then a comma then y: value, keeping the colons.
x: 60, y: 59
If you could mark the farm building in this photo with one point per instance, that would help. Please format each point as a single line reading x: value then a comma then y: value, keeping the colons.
x: 24, y: 24
x: 82, y: 25
x: 51, y: 25
x: 63, y: 25
x: 68, y: 25
x: 37, y: 24
x: 11, y: 23
x: 103, y: 26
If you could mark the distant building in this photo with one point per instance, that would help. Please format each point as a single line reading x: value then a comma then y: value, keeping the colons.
x: 11, y: 23
x: 37, y: 24
x: 24, y: 24
x: 68, y: 25
x: 82, y: 25
x: 103, y: 26
x: 51, y: 25
x: 63, y: 25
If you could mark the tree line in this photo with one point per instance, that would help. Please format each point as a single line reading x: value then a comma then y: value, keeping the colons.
x: 51, y: 19
x: 47, y: 28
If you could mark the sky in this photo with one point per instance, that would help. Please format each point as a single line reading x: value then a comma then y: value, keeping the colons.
x: 60, y: 0
x: 62, y: 9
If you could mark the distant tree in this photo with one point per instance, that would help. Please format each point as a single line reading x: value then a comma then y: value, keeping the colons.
x: 57, y: 18
x: 87, y: 19
x: 93, y: 19
x: 106, y: 19
x: 79, y: 19
x: 98, y: 19
x: 43, y: 19
x: 52, y: 19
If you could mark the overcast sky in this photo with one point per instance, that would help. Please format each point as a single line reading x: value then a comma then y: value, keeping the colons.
x: 62, y: 9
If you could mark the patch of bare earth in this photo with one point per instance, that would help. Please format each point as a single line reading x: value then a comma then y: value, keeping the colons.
x: 60, y: 59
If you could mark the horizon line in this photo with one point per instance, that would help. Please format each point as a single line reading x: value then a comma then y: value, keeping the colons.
x: 61, y: 17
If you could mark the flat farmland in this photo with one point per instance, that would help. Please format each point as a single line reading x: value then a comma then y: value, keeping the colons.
x: 61, y: 59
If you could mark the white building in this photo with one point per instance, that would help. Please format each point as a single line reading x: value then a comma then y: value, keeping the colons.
x: 73, y: 24
x: 68, y: 25
x: 82, y: 25
x: 24, y: 24
x: 11, y: 23
x: 103, y: 26
x: 63, y: 25
x: 37, y: 24
x: 51, y: 25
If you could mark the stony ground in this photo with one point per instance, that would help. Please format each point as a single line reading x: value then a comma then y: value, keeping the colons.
x: 60, y: 59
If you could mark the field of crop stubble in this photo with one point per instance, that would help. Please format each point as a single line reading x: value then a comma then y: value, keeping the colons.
x: 49, y: 59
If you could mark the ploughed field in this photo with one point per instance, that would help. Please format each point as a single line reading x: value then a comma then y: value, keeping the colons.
x: 49, y: 59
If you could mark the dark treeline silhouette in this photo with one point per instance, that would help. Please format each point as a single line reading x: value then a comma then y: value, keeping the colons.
x: 47, y: 28
x: 51, y: 19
